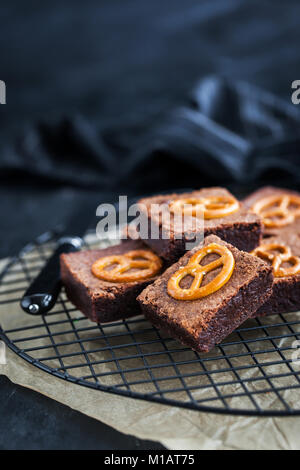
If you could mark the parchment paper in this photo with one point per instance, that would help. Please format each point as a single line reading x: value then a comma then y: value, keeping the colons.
x: 175, y: 428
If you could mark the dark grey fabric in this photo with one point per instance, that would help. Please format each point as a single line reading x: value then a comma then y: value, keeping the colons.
x: 101, y: 95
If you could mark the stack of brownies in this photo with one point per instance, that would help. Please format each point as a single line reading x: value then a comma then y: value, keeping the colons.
x: 247, y: 264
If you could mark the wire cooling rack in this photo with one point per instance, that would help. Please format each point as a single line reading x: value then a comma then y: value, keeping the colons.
x: 253, y: 372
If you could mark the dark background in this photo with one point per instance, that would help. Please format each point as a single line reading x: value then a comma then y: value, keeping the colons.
x: 122, y: 97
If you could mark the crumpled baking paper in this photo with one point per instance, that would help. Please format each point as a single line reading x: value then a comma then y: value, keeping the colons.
x: 176, y: 428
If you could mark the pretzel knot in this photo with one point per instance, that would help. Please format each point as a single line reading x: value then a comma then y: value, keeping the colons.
x: 279, y: 210
x: 266, y: 252
x: 136, y: 265
x: 210, y: 207
x: 198, y: 271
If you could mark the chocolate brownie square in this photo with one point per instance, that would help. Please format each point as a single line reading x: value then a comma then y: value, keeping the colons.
x: 240, y: 228
x: 285, y: 295
x: 206, y: 321
x: 100, y: 300
x: 268, y: 191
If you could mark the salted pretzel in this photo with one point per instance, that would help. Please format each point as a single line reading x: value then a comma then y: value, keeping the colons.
x: 198, y: 271
x: 136, y: 265
x: 211, y: 207
x: 266, y: 252
x: 278, y: 210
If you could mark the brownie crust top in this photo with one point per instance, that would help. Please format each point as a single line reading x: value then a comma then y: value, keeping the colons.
x: 291, y: 240
x: 80, y: 263
x: 267, y: 191
x: 198, y: 313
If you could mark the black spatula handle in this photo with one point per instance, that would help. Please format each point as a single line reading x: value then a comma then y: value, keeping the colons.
x: 42, y: 293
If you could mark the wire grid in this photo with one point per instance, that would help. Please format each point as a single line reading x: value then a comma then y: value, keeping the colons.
x: 250, y: 373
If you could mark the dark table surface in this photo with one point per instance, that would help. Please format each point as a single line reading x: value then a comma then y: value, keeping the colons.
x: 118, y: 62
